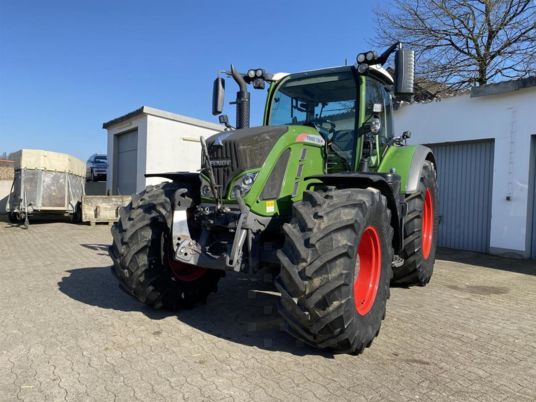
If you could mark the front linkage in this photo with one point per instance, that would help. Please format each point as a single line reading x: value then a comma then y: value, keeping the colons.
x: 225, y: 232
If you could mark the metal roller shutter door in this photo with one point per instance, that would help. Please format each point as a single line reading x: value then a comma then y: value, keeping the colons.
x: 533, y: 247
x: 465, y: 178
x: 533, y: 179
x: 126, y: 166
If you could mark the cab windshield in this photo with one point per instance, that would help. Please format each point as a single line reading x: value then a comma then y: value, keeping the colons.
x: 328, y: 102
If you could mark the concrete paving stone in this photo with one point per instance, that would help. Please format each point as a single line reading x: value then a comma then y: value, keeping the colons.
x: 69, y: 333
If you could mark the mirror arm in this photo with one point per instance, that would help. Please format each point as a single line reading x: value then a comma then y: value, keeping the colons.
x: 385, y: 55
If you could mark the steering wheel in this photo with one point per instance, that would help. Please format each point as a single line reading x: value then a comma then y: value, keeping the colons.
x: 326, y: 133
x: 342, y: 143
x: 341, y: 137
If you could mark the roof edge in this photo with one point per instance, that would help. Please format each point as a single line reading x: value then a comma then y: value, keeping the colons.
x: 147, y: 110
x: 503, y: 87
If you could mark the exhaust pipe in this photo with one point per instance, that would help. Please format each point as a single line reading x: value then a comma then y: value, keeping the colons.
x: 242, y: 100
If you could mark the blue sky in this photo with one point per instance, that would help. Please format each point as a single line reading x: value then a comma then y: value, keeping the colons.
x: 68, y: 66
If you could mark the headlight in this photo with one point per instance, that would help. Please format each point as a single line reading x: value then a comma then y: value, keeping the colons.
x: 247, y: 180
x: 206, y: 191
x: 244, y: 184
x: 375, y: 125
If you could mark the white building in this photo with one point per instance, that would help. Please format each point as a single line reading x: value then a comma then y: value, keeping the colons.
x: 149, y: 140
x: 485, y: 146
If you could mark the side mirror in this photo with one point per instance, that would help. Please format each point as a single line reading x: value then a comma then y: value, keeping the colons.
x: 218, y: 96
x: 224, y: 119
x: 404, y: 73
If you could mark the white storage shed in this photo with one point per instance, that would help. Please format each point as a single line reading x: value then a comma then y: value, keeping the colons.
x: 149, y: 140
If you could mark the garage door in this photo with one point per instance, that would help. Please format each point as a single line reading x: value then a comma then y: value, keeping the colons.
x: 533, y: 159
x: 465, y: 178
x: 533, y: 253
x: 125, y: 172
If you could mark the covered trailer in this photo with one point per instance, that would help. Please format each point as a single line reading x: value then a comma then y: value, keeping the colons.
x: 45, y: 182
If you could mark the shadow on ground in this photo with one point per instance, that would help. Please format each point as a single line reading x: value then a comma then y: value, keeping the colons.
x: 100, y: 249
x: 243, y: 311
x: 519, y: 266
x: 37, y: 219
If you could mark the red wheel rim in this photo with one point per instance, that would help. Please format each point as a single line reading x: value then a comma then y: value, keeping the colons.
x: 185, y: 272
x: 427, y: 224
x: 370, y: 265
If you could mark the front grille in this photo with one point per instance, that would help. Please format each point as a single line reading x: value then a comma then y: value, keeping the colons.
x: 223, y: 173
x: 233, y: 152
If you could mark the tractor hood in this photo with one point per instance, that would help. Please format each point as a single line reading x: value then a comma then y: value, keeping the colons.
x: 232, y: 152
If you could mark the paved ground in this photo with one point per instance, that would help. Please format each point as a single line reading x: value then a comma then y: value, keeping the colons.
x: 68, y: 332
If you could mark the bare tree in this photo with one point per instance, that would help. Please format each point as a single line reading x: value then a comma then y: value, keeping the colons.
x: 462, y: 43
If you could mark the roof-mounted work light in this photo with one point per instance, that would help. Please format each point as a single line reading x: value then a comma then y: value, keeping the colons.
x: 256, y: 77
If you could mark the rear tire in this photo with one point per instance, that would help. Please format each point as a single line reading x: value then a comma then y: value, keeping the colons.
x: 141, y: 252
x: 419, y: 251
x: 336, y: 268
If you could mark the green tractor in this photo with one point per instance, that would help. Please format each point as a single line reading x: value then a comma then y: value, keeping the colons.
x: 323, y: 194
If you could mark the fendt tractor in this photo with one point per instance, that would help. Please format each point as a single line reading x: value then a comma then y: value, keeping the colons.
x: 323, y: 195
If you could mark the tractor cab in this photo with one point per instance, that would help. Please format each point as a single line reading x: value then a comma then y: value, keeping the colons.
x: 352, y: 112
x: 350, y: 107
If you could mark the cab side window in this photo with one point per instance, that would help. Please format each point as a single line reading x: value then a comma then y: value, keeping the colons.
x: 378, y: 94
x: 388, y: 113
x: 374, y: 96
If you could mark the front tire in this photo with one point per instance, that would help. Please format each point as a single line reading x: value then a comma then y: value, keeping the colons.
x: 141, y: 252
x: 420, y: 232
x: 336, y: 268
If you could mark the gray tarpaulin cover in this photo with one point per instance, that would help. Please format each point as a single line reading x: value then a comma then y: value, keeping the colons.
x: 46, y: 181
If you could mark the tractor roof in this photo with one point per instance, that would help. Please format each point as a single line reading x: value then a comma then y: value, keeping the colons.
x: 375, y: 69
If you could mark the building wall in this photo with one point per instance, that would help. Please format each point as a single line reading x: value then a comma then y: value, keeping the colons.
x: 7, y: 173
x: 509, y: 119
x: 5, y: 189
x: 173, y: 146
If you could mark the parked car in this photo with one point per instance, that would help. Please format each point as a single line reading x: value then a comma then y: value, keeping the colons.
x: 96, y: 167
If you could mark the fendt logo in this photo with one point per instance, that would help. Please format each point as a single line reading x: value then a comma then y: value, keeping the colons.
x: 220, y: 162
x: 311, y: 139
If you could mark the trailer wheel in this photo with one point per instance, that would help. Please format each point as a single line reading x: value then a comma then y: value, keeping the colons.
x: 12, y: 217
x: 141, y: 252
x: 420, y: 232
x: 76, y: 217
x: 336, y: 268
